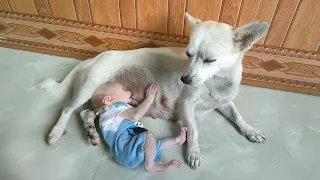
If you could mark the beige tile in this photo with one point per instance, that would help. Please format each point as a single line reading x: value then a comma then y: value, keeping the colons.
x: 27, y: 115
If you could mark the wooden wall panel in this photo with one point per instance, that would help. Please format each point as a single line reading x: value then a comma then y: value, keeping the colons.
x: 63, y: 9
x: 152, y: 16
x: 105, y: 12
x: 25, y: 6
x: 281, y: 22
x: 305, y: 31
x: 82, y: 10
x: 176, y: 16
x: 265, y: 13
x: 230, y: 11
x: 248, y: 11
x: 43, y: 7
x: 4, y: 5
x: 128, y: 14
x: 204, y: 10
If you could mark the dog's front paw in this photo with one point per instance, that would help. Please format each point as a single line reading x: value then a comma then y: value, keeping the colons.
x: 55, y: 135
x: 254, y: 135
x: 193, y: 157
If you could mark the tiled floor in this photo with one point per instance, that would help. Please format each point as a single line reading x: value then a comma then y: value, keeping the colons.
x: 290, y: 121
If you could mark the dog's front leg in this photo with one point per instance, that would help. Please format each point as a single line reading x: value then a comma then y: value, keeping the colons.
x: 230, y: 111
x: 187, y: 117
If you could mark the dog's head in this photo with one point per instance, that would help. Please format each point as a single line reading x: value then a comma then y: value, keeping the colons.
x: 216, y: 46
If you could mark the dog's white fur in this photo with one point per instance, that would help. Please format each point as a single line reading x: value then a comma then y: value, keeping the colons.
x: 212, y: 75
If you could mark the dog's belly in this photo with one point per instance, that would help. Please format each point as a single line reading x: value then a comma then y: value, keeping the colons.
x: 136, y: 79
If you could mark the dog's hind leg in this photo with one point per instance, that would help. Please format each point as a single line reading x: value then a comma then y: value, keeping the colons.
x: 82, y: 94
x: 88, y: 117
x: 230, y: 111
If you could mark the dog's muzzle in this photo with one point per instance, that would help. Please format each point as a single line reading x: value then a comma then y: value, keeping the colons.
x: 186, y: 79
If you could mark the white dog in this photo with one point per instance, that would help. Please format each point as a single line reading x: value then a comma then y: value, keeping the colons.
x: 207, y: 79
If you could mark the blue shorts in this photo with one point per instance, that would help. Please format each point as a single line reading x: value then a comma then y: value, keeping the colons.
x: 126, y: 146
x: 132, y: 153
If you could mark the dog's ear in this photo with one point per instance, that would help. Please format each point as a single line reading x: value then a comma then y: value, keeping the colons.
x: 192, y: 20
x: 245, y: 36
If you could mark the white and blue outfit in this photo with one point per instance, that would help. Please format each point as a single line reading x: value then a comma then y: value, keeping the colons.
x: 125, y: 137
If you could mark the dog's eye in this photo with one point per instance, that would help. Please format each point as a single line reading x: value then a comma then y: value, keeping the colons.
x: 209, y: 60
x: 188, y: 54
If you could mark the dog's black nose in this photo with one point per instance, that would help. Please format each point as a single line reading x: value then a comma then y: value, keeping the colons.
x: 186, y: 79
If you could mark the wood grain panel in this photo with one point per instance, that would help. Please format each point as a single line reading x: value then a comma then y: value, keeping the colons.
x: 4, y: 5
x: 266, y: 12
x: 176, y: 16
x: 204, y: 10
x: 105, y: 12
x: 83, y: 10
x: 281, y: 22
x: 25, y: 6
x: 305, y: 31
x: 229, y: 11
x: 43, y: 7
x: 152, y: 16
x: 63, y: 9
x: 248, y: 12
x: 128, y: 13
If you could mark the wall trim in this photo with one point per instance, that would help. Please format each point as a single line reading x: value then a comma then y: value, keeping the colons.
x: 96, y: 27
x: 52, y: 49
x: 285, y: 52
x: 149, y: 35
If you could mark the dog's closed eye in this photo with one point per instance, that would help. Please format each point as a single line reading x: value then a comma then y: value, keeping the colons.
x: 188, y: 54
x: 209, y: 60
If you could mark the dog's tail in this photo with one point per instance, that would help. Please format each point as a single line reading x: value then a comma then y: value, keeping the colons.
x: 56, y: 89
